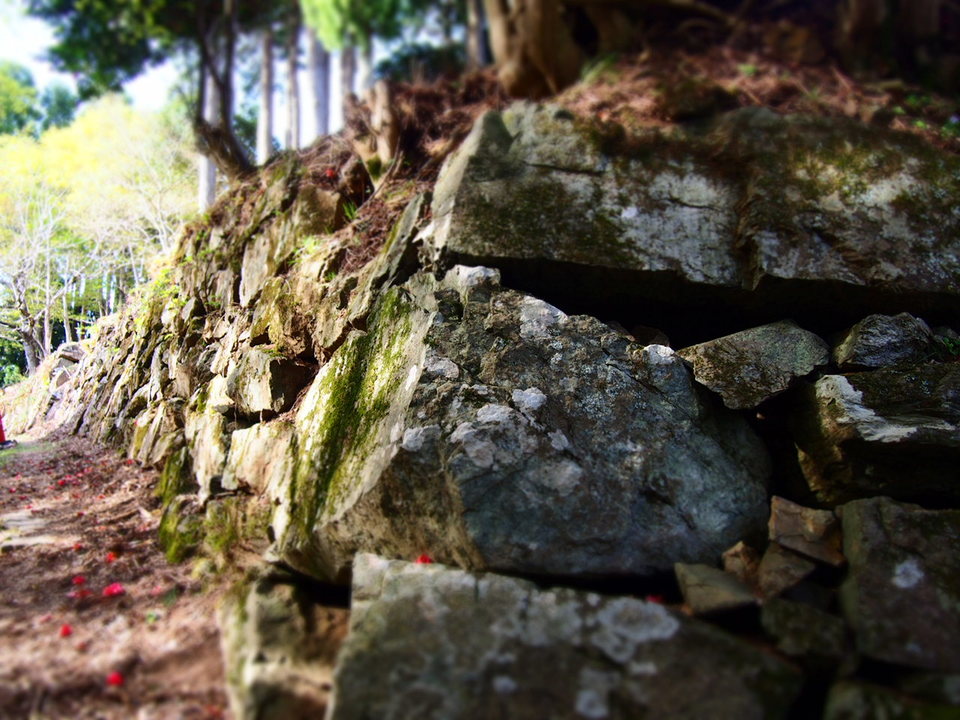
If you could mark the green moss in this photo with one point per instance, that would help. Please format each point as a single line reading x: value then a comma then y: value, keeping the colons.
x: 222, y: 527
x: 580, y: 230
x: 180, y: 534
x: 354, y: 394
x: 175, y: 477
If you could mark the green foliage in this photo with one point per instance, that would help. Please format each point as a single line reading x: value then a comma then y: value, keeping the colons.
x: 340, y: 22
x: 599, y: 68
x: 949, y: 348
x: 422, y: 61
x: 18, y: 98
x: 105, y: 43
x: 10, y: 374
x: 748, y: 69
x: 349, y: 210
x: 951, y: 128
x: 59, y: 106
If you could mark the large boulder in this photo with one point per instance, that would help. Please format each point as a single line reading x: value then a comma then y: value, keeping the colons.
x: 902, y: 594
x: 432, y: 642
x: 773, y: 215
x: 490, y: 429
x: 888, y: 432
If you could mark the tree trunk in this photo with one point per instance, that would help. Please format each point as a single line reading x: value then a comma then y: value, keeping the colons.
x: 293, y: 84
x: 215, y: 138
x: 66, y: 318
x: 47, y: 302
x: 478, y: 54
x: 534, y: 49
x: 265, y: 117
x: 207, y: 191
x: 348, y: 68
x: 318, y: 64
x: 365, y: 68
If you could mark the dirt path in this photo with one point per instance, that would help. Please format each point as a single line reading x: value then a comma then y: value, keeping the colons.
x: 93, y: 621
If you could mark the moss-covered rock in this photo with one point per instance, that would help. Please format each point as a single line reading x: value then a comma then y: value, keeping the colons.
x: 180, y: 531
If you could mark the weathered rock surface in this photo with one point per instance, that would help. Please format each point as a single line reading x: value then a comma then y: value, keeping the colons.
x: 816, y: 638
x: 767, y: 212
x: 266, y: 382
x: 431, y: 642
x: 743, y: 562
x: 882, y: 341
x: 814, y: 533
x: 707, y: 590
x: 495, y: 431
x: 780, y: 569
x: 279, y: 648
x: 754, y: 365
x: 894, y: 432
x: 902, y: 593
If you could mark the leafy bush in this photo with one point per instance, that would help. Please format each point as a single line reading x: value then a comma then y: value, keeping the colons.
x: 10, y: 374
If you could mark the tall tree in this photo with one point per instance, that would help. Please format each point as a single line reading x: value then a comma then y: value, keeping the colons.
x: 265, y: 115
x: 318, y: 67
x: 108, y: 42
x: 293, y: 84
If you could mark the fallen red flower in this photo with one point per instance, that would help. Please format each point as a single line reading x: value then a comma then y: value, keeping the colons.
x: 331, y: 173
x: 111, y: 556
x: 658, y: 599
x: 424, y: 559
x: 66, y: 631
x: 115, y: 679
x: 78, y: 546
x: 113, y: 589
x: 78, y: 580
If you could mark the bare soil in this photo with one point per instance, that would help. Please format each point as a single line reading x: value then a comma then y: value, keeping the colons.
x: 94, y: 623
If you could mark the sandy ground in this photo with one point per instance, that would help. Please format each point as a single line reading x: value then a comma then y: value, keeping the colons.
x: 94, y: 623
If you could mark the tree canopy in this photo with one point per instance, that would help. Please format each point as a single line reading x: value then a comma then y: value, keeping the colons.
x: 18, y: 98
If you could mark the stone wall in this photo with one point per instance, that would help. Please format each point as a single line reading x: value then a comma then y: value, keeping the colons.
x: 671, y: 420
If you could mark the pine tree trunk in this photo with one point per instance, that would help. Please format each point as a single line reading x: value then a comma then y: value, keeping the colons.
x: 293, y: 83
x: 207, y: 191
x: 66, y: 318
x: 365, y: 68
x: 478, y: 54
x: 318, y: 62
x: 265, y: 117
x: 348, y: 68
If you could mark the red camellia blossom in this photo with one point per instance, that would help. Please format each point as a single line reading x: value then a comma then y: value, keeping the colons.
x: 111, y: 556
x: 331, y: 173
x: 66, y: 630
x: 113, y: 589
x: 78, y: 580
x: 115, y: 679
x: 424, y: 559
x: 78, y: 547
